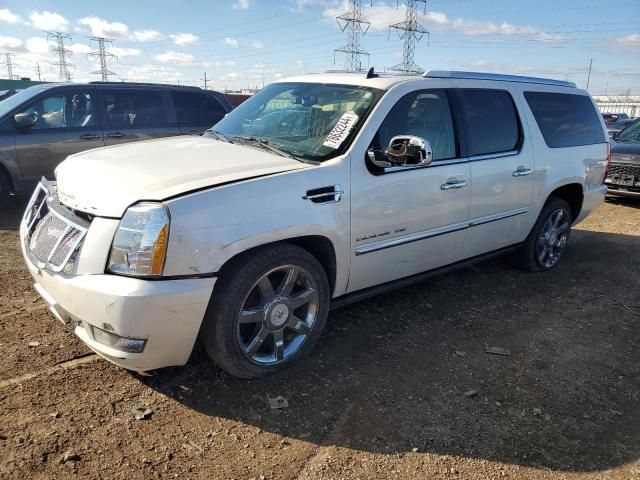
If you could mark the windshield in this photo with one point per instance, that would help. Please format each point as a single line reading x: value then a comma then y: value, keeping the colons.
x: 13, y: 101
x: 307, y: 120
x: 630, y: 134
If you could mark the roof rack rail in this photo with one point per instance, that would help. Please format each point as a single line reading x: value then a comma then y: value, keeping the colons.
x: 146, y: 84
x: 496, y: 77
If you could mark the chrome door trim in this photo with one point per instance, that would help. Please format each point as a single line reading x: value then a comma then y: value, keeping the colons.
x: 489, y: 156
x: 497, y: 216
x: 435, y: 232
x: 414, y: 237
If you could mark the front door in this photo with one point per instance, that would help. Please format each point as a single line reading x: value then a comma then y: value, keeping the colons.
x: 64, y: 125
x: 502, y: 166
x: 406, y: 220
x: 130, y: 115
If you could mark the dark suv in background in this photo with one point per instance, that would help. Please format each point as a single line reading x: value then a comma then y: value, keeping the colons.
x: 42, y: 125
x: 623, y: 177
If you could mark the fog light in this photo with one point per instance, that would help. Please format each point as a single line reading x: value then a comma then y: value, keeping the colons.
x: 124, y: 344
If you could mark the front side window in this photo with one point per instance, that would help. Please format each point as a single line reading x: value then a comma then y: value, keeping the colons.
x: 134, y: 109
x: 630, y: 134
x: 492, y: 122
x: 425, y: 114
x: 308, y: 120
x: 62, y: 110
x: 566, y: 120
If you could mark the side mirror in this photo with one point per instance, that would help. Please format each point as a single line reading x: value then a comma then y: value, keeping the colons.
x: 403, y: 151
x: 24, y: 120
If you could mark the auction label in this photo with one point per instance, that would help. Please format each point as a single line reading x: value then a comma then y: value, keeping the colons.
x: 341, y: 131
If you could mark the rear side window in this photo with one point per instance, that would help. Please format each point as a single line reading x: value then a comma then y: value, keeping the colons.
x: 492, y: 122
x: 197, y: 108
x: 565, y: 120
x: 134, y: 109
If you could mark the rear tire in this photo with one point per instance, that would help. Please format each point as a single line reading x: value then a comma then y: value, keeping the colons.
x: 548, y: 238
x: 267, y: 311
x: 5, y: 189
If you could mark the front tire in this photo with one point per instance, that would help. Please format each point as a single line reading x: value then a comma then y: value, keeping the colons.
x: 548, y: 239
x: 267, y: 311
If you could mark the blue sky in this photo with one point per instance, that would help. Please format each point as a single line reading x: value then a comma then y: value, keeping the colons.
x: 242, y: 43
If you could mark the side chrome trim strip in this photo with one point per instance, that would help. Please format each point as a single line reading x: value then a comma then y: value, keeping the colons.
x: 435, y: 232
x: 415, y: 237
x: 489, y: 156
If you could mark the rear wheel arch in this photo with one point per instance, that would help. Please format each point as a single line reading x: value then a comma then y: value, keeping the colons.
x: 573, y: 194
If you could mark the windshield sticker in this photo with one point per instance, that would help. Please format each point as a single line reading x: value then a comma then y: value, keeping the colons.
x: 341, y: 131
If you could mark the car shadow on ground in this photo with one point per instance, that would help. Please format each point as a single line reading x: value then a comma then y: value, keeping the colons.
x: 409, y: 369
x: 11, y: 214
x: 632, y: 201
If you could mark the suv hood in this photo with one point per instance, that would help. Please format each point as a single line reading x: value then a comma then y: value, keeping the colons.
x: 105, y: 181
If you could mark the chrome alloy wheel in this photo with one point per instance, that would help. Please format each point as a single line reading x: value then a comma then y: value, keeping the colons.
x: 553, y: 238
x: 277, y: 314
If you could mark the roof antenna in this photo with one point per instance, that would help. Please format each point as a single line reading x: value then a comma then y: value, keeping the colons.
x: 371, y: 74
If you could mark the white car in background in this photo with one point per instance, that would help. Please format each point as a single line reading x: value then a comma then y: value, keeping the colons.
x: 317, y: 191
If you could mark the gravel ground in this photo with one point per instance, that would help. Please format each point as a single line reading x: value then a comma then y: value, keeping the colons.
x: 400, y: 386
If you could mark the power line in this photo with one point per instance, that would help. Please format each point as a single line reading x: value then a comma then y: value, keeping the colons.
x: 8, y: 61
x: 103, y: 56
x: 63, y: 65
x: 354, y: 24
x: 412, y: 33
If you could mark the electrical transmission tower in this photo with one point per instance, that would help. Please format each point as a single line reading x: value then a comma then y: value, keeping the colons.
x: 411, y: 32
x: 355, y: 25
x: 8, y: 61
x: 103, y: 56
x: 63, y: 65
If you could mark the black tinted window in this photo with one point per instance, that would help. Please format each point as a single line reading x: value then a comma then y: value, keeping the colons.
x: 631, y: 133
x: 566, y: 120
x: 134, y: 109
x: 492, y: 121
x: 197, y: 108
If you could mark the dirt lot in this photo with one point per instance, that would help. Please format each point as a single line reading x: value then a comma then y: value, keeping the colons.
x: 382, y: 397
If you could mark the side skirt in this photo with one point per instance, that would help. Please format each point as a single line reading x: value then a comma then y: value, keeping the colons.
x: 369, y: 292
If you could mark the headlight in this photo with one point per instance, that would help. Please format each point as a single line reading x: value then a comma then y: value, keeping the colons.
x: 140, y: 244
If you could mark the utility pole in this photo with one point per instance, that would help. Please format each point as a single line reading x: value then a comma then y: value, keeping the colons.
x: 205, y: 80
x: 589, y: 75
x: 411, y: 32
x: 63, y: 65
x: 103, y: 57
x: 355, y: 25
x: 8, y: 61
x: 39, y: 76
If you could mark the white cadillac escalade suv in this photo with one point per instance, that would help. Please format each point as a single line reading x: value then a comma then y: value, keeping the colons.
x: 316, y: 191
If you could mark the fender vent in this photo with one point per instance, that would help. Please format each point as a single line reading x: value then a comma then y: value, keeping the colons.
x: 324, y: 194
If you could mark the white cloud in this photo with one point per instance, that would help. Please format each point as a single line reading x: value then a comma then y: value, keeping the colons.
x: 258, y: 45
x: 230, y: 63
x: 11, y: 44
x: 155, y: 73
x: 102, y: 28
x: 38, y: 45
x: 8, y: 16
x: 174, y: 57
x: 232, y: 42
x: 146, y: 35
x: 241, y: 4
x: 79, y: 48
x: 49, y: 21
x: 185, y: 39
x: 125, y: 51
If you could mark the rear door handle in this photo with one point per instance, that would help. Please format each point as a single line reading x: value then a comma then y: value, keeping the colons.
x: 453, y: 184
x: 522, y: 171
x: 89, y: 136
x: 115, y: 135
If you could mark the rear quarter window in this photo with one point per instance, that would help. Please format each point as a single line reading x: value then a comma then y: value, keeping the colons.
x: 566, y: 120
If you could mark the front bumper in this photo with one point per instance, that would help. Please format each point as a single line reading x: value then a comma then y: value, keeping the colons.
x: 166, y: 313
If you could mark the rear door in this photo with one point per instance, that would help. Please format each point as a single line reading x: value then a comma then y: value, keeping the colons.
x: 132, y: 114
x: 196, y: 111
x: 502, y: 167
x: 65, y: 124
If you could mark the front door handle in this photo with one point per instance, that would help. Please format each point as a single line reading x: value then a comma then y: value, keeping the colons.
x: 115, y: 135
x: 522, y: 171
x: 89, y: 136
x: 453, y: 184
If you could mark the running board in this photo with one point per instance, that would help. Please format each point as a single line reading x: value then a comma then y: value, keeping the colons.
x: 369, y: 292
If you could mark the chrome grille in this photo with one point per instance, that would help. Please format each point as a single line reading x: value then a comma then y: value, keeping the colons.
x: 622, y: 169
x: 51, y: 233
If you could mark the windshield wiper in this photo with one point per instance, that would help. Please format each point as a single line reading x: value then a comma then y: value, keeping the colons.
x: 266, y: 144
x: 220, y: 136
